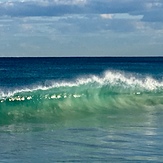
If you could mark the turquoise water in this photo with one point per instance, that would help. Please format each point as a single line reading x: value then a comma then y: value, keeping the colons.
x: 100, y: 138
x: 81, y: 110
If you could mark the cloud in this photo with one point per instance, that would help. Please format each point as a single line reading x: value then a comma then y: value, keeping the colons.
x: 79, y: 35
x: 106, y: 16
x: 74, y: 17
x: 21, y: 9
x: 152, y: 10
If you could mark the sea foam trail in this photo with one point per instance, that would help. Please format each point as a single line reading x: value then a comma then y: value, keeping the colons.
x: 93, y: 94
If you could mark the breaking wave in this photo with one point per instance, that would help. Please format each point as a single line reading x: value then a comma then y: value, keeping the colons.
x: 83, y: 96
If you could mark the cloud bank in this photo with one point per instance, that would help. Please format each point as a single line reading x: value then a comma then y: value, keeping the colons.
x: 151, y: 10
x: 81, y: 27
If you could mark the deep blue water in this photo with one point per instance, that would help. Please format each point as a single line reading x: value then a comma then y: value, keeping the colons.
x: 101, y: 109
x: 15, y: 72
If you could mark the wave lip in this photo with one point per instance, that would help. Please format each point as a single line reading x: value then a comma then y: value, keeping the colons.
x: 109, y: 78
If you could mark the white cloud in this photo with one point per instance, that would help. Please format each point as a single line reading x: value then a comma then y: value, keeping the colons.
x: 62, y: 23
x: 107, y: 16
x: 154, y: 4
x: 105, y: 8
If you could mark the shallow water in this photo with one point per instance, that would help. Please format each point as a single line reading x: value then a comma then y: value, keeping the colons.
x: 128, y: 137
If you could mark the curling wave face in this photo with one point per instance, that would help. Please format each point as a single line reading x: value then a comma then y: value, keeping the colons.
x: 85, y: 95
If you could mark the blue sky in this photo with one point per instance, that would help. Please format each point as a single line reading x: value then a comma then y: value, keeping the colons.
x: 81, y: 28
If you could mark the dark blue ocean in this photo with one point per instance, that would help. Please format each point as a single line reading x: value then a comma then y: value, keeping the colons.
x: 83, y: 109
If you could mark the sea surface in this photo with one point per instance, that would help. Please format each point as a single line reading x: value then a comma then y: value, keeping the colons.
x: 82, y: 109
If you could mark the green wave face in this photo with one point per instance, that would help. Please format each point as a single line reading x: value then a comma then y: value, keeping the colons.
x: 112, y: 93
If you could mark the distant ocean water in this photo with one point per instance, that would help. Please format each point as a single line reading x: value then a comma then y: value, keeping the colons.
x: 81, y: 109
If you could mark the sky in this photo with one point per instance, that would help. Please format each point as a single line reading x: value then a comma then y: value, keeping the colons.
x: 59, y: 28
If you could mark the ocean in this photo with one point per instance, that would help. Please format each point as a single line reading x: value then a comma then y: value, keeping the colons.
x: 81, y: 109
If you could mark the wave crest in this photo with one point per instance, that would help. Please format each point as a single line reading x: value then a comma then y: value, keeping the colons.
x: 109, y: 78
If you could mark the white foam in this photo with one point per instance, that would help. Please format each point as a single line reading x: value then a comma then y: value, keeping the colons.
x: 76, y: 96
x: 53, y: 96
x: 108, y: 78
x: 29, y: 98
x: 131, y: 81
